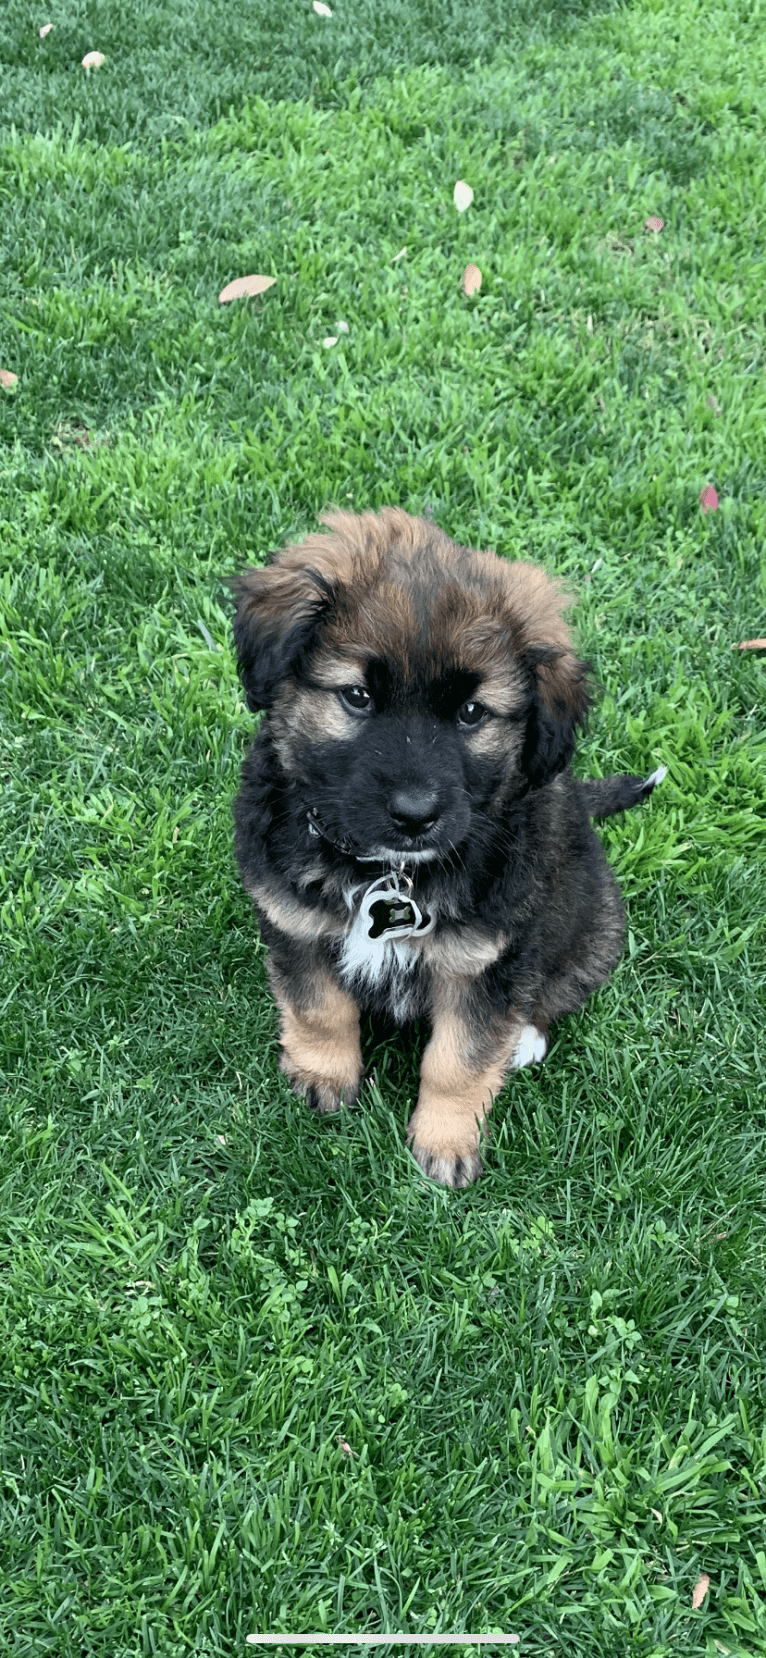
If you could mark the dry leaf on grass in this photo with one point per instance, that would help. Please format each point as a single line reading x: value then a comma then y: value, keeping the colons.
x: 45, y: 29
x: 8, y: 379
x: 329, y: 341
x: 656, y: 1513
x: 462, y: 195
x: 472, y: 279
x: 221, y: 1138
x: 700, y: 1590
x: 244, y: 286
x: 654, y: 224
x: 345, y: 1447
x: 713, y: 403
x: 321, y: 9
x: 93, y: 60
x: 709, y: 498
x: 746, y: 645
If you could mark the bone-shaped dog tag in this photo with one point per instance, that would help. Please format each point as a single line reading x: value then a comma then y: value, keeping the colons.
x: 389, y: 910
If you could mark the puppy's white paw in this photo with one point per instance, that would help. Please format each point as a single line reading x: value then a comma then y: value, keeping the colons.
x: 530, y: 1049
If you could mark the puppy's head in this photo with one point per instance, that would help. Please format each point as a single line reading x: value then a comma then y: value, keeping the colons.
x: 413, y: 687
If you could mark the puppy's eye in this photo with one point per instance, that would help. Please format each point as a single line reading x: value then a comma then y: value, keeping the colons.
x: 471, y: 713
x: 356, y: 698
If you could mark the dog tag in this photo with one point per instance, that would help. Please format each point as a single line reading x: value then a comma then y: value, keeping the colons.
x: 389, y: 910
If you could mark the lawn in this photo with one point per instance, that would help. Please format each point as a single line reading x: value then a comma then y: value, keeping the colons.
x: 257, y: 1372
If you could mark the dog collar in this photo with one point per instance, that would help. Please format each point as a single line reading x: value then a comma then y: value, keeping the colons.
x: 318, y: 831
x: 388, y: 907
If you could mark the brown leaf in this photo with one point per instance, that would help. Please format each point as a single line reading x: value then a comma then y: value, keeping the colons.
x: 472, y: 279
x: 244, y: 286
x: 93, y: 60
x: 654, y: 224
x: 345, y: 1447
x: 700, y: 1590
x: 713, y: 403
x: 709, y: 498
x: 45, y: 29
x: 8, y: 379
x: 746, y: 645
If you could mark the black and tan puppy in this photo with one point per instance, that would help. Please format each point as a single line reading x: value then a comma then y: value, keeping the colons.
x: 407, y: 824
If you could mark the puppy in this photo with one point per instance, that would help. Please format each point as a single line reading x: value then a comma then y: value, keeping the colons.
x: 408, y: 826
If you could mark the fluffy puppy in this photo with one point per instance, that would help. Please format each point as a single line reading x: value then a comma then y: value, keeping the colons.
x: 408, y: 826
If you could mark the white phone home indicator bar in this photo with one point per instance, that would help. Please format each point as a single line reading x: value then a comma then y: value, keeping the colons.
x: 383, y: 1640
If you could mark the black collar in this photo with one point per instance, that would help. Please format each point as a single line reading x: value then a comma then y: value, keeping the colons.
x: 318, y: 831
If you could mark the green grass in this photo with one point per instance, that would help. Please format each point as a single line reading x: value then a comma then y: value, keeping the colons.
x: 552, y: 1385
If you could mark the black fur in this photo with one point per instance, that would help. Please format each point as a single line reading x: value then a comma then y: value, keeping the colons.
x: 606, y: 795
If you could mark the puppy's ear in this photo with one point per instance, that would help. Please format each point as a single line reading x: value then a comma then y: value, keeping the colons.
x: 276, y: 616
x: 278, y: 611
x: 561, y: 694
x: 560, y: 703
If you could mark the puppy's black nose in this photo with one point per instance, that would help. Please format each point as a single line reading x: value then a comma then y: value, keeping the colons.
x: 414, y: 810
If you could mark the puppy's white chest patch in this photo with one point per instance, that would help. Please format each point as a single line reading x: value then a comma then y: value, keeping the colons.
x: 383, y: 965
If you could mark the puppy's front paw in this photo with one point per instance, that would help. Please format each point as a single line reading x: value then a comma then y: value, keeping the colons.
x: 323, y: 1094
x: 453, y: 1160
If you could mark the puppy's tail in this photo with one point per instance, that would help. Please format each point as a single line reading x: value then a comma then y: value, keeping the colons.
x: 606, y: 795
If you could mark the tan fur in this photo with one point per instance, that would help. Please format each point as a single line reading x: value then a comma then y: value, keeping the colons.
x: 456, y: 1095
x: 336, y: 669
x: 540, y: 603
x: 454, y: 1102
x: 284, y: 592
x: 287, y: 913
x: 317, y: 715
x: 385, y: 614
x: 461, y: 953
x: 320, y: 1045
x: 495, y: 739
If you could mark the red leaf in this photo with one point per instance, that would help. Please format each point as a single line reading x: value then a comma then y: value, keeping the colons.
x: 709, y: 498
